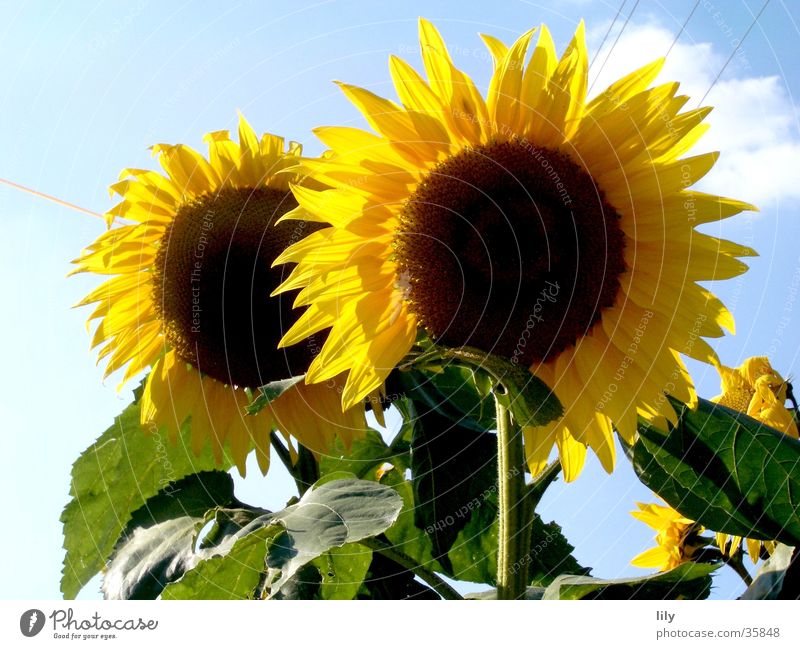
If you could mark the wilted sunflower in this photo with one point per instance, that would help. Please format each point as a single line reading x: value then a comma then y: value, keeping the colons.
x: 190, y: 297
x: 678, y: 537
x: 533, y: 224
x: 756, y: 389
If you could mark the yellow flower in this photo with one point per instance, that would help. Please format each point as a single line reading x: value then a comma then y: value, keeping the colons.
x: 756, y: 389
x: 189, y: 297
x: 677, y: 537
x: 759, y: 391
x: 534, y: 224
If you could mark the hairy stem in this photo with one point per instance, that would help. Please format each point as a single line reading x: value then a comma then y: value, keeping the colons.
x: 514, y: 524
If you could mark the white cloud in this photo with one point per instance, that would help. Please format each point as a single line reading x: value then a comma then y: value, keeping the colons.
x: 753, y: 124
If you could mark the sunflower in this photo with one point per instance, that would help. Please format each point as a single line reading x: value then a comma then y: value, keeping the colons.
x: 534, y: 224
x: 756, y: 389
x: 678, y: 538
x: 189, y: 297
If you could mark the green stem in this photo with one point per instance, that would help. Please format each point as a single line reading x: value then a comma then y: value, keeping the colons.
x: 736, y: 563
x: 305, y: 471
x: 286, y: 459
x: 428, y: 576
x: 514, y: 534
x: 714, y: 555
x: 282, y: 452
x: 307, y: 468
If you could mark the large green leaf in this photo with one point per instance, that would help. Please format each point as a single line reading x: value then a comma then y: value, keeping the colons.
x: 110, y: 480
x: 724, y: 470
x: 453, y: 468
x: 267, y: 553
x: 328, y: 516
x: 157, y: 546
x: 687, y: 581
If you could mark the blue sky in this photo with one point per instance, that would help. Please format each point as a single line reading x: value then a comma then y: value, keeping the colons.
x: 86, y: 90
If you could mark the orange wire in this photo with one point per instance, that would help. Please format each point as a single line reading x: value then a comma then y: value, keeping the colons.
x: 28, y: 190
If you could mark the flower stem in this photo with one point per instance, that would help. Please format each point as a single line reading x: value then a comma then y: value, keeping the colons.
x: 736, y: 563
x: 514, y: 527
x: 295, y: 470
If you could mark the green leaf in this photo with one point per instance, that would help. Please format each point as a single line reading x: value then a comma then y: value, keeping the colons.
x: 452, y: 468
x: 364, y: 457
x: 725, y: 470
x: 269, y: 392
x: 265, y: 554
x: 551, y: 554
x: 191, y: 496
x: 304, y: 585
x: 151, y: 558
x: 455, y: 392
x: 387, y: 580
x: 529, y: 400
x: 473, y: 556
x: 227, y: 523
x: 769, y: 580
x: 236, y: 575
x: 328, y: 516
x: 404, y: 535
x: 343, y: 570
x: 113, y: 478
x: 687, y: 581
x: 157, y: 545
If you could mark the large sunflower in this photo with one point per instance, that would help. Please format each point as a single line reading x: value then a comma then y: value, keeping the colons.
x: 190, y: 297
x: 533, y: 224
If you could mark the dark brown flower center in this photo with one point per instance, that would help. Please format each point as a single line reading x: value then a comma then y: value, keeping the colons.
x: 509, y: 248
x: 212, y: 284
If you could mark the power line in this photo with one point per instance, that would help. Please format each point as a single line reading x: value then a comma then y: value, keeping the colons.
x: 680, y: 31
x: 735, y: 49
x: 28, y: 190
x: 616, y: 40
x: 608, y: 31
